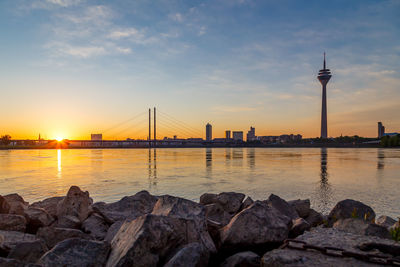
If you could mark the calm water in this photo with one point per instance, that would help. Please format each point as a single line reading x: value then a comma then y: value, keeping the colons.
x: 323, y: 175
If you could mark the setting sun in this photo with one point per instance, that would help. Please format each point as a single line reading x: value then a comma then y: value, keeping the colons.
x: 59, y: 139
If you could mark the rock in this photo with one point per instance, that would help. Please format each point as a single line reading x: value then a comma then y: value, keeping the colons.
x: 48, y: 204
x: 213, y: 229
x: 151, y: 240
x: 258, y: 225
x: 395, y: 226
x: 29, y: 252
x: 242, y: 259
x: 299, y: 227
x: 16, y: 203
x: 216, y: 213
x: 4, y: 206
x: 323, y: 237
x: 314, y: 218
x: 361, y: 227
x: 75, y: 204
x: 191, y: 255
x: 282, y: 206
x: 9, y: 239
x: 385, y: 221
x: 4, y: 262
x: 38, y: 217
x: 230, y: 201
x: 76, y: 252
x: 12, y: 222
x: 129, y: 207
x: 95, y: 226
x: 52, y: 235
x: 180, y: 208
x: 349, y: 208
x: 113, y: 230
x: 246, y: 203
x: 301, y: 206
x: 68, y: 221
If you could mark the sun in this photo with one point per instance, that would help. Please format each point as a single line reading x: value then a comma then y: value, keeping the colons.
x: 59, y: 139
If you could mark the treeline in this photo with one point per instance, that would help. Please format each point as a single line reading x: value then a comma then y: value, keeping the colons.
x: 5, y: 140
x: 390, y: 141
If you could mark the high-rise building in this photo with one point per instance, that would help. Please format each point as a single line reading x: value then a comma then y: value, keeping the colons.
x: 208, y: 132
x: 381, y: 130
x: 251, y: 134
x: 228, y: 134
x: 96, y: 137
x: 237, y: 135
x: 323, y: 76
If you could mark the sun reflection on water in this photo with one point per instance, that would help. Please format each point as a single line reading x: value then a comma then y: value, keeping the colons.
x: 59, y: 163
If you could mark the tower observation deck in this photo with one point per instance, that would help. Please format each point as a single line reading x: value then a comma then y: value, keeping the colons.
x: 324, y: 76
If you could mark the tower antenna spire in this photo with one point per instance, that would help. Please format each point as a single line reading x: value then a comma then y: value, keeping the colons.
x: 324, y: 62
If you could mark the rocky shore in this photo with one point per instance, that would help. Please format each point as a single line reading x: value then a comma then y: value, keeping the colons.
x: 226, y: 229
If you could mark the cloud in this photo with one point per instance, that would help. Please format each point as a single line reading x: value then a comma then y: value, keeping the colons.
x: 176, y: 17
x: 64, y: 3
x: 202, y: 31
x: 122, y: 33
x: 77, y: 51
x: 123, y: 50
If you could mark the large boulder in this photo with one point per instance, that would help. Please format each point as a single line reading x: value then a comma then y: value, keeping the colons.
x: 246, y: 203
x: 76, y: 252
x: 53, y: 235
x: 113, y: 230
x: 75, y: 205
x: 302, y: 207
x: 16, y: 203
x: 48, y: 204
x: 129, y: 207
x: 28, y: 252
x: 385, y: 221
x: 216, y: 213
x: 230, y: 201
x: 282, y: 206
x: 95, y: 226
x: 4, y: 206
x: 323, y: 237
x: 9, y: 239
x: 314, y: 218
x: 37, y: 217
x: 68, y: 221
x: 258, y: 225
x: 361, y: 227
x: 299, y: 227
x: 151, y: 240
x: 12, y: 222
x: 349, y: 208
x: 191, y: 255
x: 242, y: 259
x: 5, y: 262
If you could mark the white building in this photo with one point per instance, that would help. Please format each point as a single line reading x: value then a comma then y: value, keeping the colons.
x: 208, y: 132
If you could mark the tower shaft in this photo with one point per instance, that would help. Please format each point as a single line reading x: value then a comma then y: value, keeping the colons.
x: 324, y: 119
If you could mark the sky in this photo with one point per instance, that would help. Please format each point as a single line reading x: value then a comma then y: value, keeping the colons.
x: 69, y: 68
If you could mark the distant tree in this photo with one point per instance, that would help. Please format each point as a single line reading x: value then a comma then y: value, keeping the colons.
x: 393, y: 141
x: 385, y: 141
x: 5, y: 140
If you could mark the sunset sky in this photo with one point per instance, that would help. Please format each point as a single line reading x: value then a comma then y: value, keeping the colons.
x: 70, y: 68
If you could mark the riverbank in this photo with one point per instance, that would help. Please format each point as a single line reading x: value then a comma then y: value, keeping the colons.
x: 226, y: 229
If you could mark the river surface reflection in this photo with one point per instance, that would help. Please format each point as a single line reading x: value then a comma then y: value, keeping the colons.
x: 325, y: 175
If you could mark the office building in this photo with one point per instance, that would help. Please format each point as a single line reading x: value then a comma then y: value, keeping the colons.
x: 251, y: 134
x: 381, y: 130
x: 323, y: 76
x: 228, y: 134
x: 208, y: 132
x: 237, y: 135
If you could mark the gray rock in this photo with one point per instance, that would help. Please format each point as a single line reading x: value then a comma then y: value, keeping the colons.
x: 29, y: 252
x: 246, y: 203
x: 37, y: 217
x: 216, y: 213
x: 95, y: 226
x: 385, y: 221
x: 48, y: 204
x: 314, y: 218
x: 113, y: 230
x: 5, y: 262
x: 302, y: 207
x: 12, y: 222
x: 52, y: 235
x: 242, y: 259
x: 68, y: 221
x: 259, y: 224
x: 152, y: 239
x: 230, y: 201
x: 9, y: 239
x: 349, y: 208
x: 129, y: 207
x: 191, y: 255
x: 282, y: 206
x: 361, y: 227
x: 75, y: 204
x: 16, y: 203
x: 76, y: 252
x: 395, y: 226
x: 299, y: 227
x: 4, y: 206
x: 323, y: 237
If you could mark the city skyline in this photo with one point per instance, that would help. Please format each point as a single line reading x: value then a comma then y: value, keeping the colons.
x: 73, y: 67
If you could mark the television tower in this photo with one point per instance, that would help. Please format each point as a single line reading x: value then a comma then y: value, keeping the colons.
x: 323, y: 76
